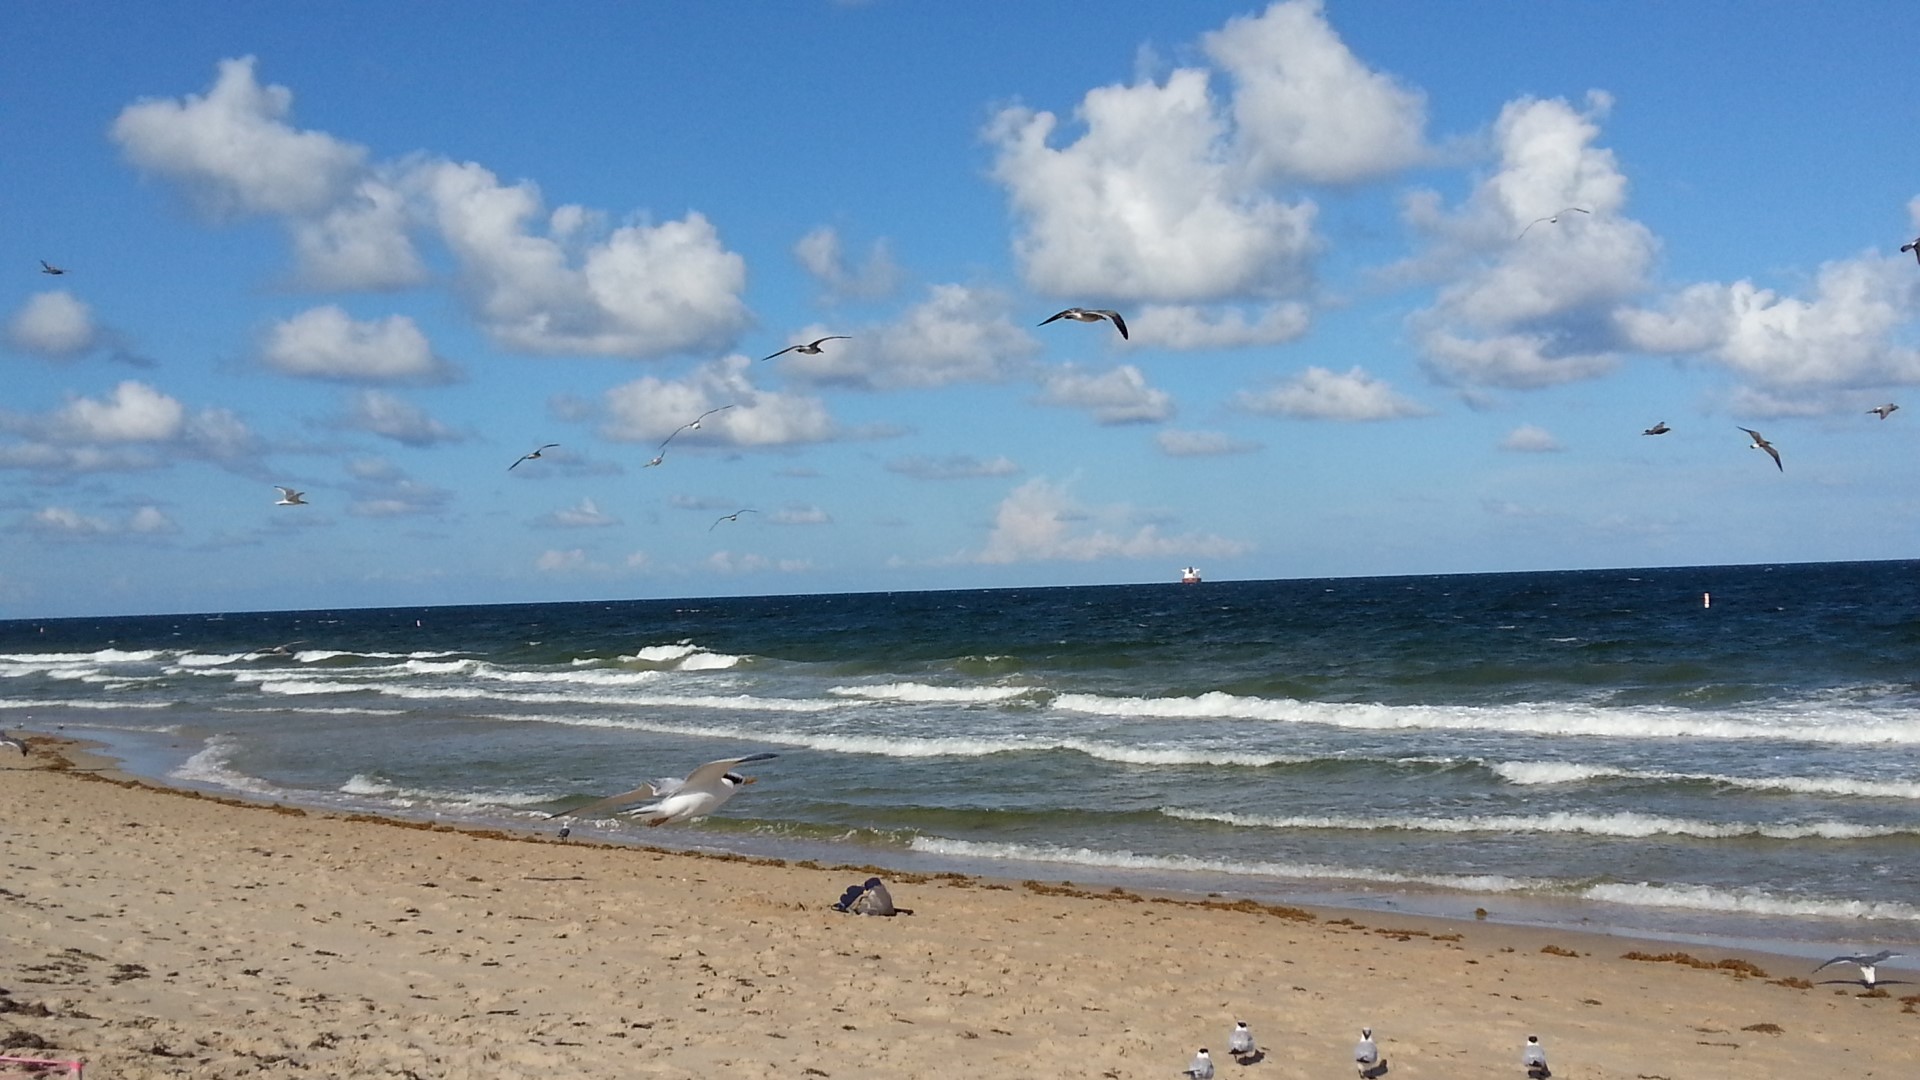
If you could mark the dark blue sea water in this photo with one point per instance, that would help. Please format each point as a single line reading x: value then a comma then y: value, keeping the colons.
x: 1592, y: 745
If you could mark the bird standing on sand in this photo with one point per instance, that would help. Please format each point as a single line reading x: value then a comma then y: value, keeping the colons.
x: 48, y: 268
x: 1554, y: 220
x: 1762, y: 444
x: 1884, y: 411
x: 1660, y: 428
x: 1202, y: 1067
x: 1240, y: 1043
x: 705, y: 790
x: 530, y: 455
x: 1534, y: 1058
x: 735, y: 516
x: 1365, y: 1054
x: 1078, y: 314
x: 8, y: 740
x: 1866, y: 962
x: 1913, y: 247
x: 811, y: 348
x: 290, y: 497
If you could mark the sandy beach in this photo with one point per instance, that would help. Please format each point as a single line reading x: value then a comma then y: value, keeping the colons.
x: 159, y: 933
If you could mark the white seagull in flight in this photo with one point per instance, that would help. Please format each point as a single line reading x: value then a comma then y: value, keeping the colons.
x: 1884, y: 411
x: 704, y: 790
x: 1762, y: 444
x: 1913, y: 247
x: 1866, y: 962
x: 530, y: 455
x: 1554, y: 220
x: 735, y: 516
x: 8, y: 740
x: 692, y: 425
x: 290, y: 497
x: 1079, y: 314
x: 810, y: 348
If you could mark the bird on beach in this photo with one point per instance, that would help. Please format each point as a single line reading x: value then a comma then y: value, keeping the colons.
x: 1365, y: 1054
x: 1660, y: 428
x: 1913, y: 247
x: 1554, y: 220
x: 1762, y: 444
x: 48, y: 268
x: 1201, y: 1068
x: 704, y: 790
x: 1090, y: 315
x: 290, y: 497
x: 1534, y: 1058
x: 8, y: 740
x: 735, y: 516
x: 530, y: 455
x: 1866, y: 962
x: 1884, y: 411
x: 1240, y: 1043
x: 811, y: 348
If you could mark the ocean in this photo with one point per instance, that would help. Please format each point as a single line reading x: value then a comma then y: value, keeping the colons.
x: 1706, y: 753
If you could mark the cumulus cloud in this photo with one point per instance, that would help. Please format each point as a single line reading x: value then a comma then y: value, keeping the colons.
x: 361, y: 242
x: 819, y: 253
x: 55, y: 326
x: 136, y: 426
x: 800, y: 514
x: 958, y: 334
x: 586, y: 515
x: 1185, y: 326
x: 382, y: 489
x: 1320, y: 394
x: 380, y: 413
x: 651, y: 409
x: 327, y: 343
x: 134, y: 412
x: 726, y: 562
x: 1041, y: 521
x: 951, y: 467
x: 1201, y: 444
x: 568, y: 561
x: 1117, y: 396
x: 1531, y: 439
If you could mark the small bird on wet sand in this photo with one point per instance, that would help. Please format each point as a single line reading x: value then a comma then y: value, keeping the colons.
x: 530, y: 455
x: 48, y: 268
x: 1660, y: 428
x: 1202, y: 1067
x: 1240, y: 1043
x: 1554, y: 220
x: 1534, y: 1058
x: 1090, y: 315
x: 1762, y: 444
x: 290, y: 497
x: 1365, y: 1054
x: 1884, y: 411
x: 810, y: 348
x: 8, y: 740
x: 1866, y: 962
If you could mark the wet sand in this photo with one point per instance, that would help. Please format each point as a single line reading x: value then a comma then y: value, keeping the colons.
x: 160, y: 933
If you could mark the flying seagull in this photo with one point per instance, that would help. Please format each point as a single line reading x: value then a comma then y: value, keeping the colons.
x: 1240, y: 1043
x: 1202, y: 1067
x: 1080, y: 314
x: 1884, y: 411
x: 279, y: 650
x: 529, y: 456
x: 692, y: 425
x: 290, y: 497
x: 735, y: 516
x: 1534, y: 1058
x: 811, y: 348
x: 1365, y: 1054
x: 1554, y: 220
x: 705, y: 790
x: 48, y: 268
x: 8, y: 740
x: 1762, y: 444
x: 1660, y: 428
x: 1913, y: 247
x: 1866, y: 962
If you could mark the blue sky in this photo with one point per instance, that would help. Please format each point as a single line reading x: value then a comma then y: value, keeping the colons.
x: 377, y: 252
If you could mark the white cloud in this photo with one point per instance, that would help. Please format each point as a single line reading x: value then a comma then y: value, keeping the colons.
x: 1320, y: 394
x: 1040, y: 521
x: 586, y: 515
x: 650, y: 409
x: 382, y: 489
x: 570, y: 561
x: 819, y: 253
x: 53, y: 325
x: 800, y: 515
x: 1185, y: 326
x: 726, y: 562
x: 66, y: 522
x: 135, y: 412
x: 361, y: 242
x: 1306, y: 107
x: 958, y: 334
x: 1201, y: 444
x: 326, y: 343
x: 381, y: 413
x: 1531, y: 439
x: 952, y: 467
x: 642, y: 291
x: 234, y: 150
x: 1117, y: 396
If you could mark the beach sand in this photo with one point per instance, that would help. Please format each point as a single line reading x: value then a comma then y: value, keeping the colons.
x: 158, y: 933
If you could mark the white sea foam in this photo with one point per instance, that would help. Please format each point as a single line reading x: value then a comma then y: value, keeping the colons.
x: 921, y: 693
x: 1629, y: 825
x: 213, y: 765
x: 1552, y: 772
x: 684, y: 656
x: 205, y: 660
x: 77, y: 703
x: 1704, y: 898
x: 302, y: 687
x: 362, y: 784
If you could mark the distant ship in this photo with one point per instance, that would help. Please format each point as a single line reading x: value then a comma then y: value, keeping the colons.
x: 1190, y: 576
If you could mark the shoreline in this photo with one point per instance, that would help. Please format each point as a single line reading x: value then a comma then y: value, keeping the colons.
x: 165, y: 932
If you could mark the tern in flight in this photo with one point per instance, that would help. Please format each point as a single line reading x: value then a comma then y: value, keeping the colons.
x: 1554, y: 220
x: 290, y: 497
x: 1866, y: 962
x: 1660, y: 428
x: 1913, y: 247
x: 1884, y: 411
x: 704, y: 790
x: 692, y: 425
x: 1762, y: 444
x: 810, y: 348
x: 48, y: 268
x: 530, y: 455
x: 1079, y: 314
x: 735, y: 516
x: 8, y: 740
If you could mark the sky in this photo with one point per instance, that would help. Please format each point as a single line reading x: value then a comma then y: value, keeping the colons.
x: 1404, y: 285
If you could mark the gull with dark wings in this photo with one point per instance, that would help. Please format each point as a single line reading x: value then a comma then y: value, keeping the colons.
x: 1913, y: 247
x: 530, y: 455
x: 735, y: 516
x: 1884, y: 411
x: 1078, y: 314
x: 1762, y: 444
x: 705, y: 790
x: 8, y: 740
x: 811, y: 348
x: 1554, y: 220
x: 1660, y: 428
x: 48, y: 268
x: 290, y: 497
x: 1866, y: 962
